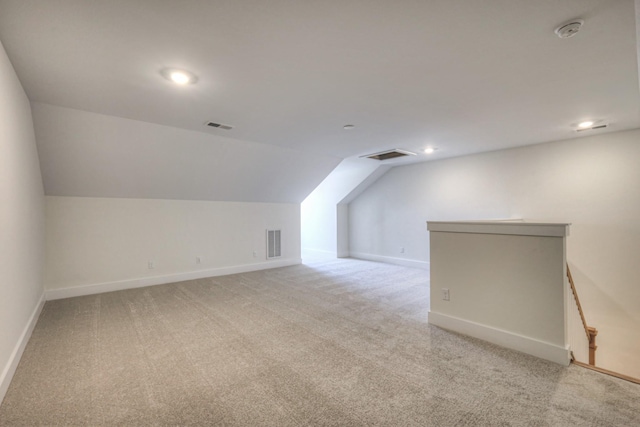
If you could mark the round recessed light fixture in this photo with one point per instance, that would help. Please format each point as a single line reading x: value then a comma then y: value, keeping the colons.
x: 429, y: 150
x: 585, y: 124
x: 348, y: 127
x: 180, y: 77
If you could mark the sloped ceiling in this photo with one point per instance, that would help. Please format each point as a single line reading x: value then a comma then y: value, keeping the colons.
x: 464, y: 76
x: 89, y: 154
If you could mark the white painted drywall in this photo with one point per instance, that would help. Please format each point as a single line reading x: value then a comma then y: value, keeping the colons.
x: 319, y: 224
x: 21, y: 222
x: 591, y: 182
x: 512, y: 282
x: 84, y: 154
x: 323, y: 222
x: 102, y: 241
x: 342, y: 230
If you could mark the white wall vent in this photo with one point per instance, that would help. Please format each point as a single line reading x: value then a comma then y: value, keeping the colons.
x: 274, y: 249
x: 389, y: 154
x: 219, y: 125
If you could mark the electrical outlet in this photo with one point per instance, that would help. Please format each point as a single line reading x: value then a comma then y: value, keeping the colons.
x: 198, y: 260
x: 445, y: 294
x: 255, y: 254
x: 401, y: 250
x: 151, y: 265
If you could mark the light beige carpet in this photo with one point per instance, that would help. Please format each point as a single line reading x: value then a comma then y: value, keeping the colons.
x: 340, y: 342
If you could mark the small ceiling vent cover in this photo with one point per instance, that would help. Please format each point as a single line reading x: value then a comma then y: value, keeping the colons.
x: 594, y: 127
x: 390, y: 154
x: 219, y: 126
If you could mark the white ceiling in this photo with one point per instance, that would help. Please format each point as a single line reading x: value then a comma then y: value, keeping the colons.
x: 465, y: 76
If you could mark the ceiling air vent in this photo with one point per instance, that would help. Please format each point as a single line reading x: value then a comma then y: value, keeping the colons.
x: 219, y: 126
x: 595, y: 127
x: 390, y: 154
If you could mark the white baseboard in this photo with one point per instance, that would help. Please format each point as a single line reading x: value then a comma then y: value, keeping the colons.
x: 541, y: 349
x: 99, y: 288
x: 318, y: 251
x: 14, y: 359
x: 424, y: 265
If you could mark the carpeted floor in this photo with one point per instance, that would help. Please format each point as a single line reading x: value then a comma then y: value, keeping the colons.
x: 339, y: 342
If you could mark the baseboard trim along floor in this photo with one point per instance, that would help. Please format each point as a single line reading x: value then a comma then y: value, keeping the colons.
x: 607, y: 372
x: 14, y: 359
x: 413, y: 263
x: 543, y: 350
x: 141, y: 282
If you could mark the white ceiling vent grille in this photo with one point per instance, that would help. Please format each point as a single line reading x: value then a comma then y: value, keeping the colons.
x: 594, y: 127
x: 274, y: 249
x: 389, y: 154
x: 219, y: 126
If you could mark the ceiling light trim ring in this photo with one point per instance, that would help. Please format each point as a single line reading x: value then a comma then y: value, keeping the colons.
x: 179, y: 76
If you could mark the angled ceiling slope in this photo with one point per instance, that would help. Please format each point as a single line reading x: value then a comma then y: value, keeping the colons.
x: 94, y: 155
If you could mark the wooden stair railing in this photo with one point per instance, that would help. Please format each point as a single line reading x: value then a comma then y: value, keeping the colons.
x: 591, y: 337
x: 590, y: 331
x: 592, y: 345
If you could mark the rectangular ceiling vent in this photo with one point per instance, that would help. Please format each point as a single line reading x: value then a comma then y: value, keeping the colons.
x: 274, y: 249
x: 596, y: 127
x: 390, y: 154
x: 219, y: 126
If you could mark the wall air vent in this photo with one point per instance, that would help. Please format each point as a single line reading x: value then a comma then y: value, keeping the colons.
x: 389, y: 154
x: 274, y: 249
x: 594, y: 127
x: 219, y: 126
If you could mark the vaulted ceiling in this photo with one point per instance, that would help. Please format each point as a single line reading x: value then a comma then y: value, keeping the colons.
x: 462, y: 76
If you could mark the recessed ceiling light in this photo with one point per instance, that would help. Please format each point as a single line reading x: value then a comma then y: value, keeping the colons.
x: 598, y: 126
x: 180, y: 77
x: 429, y: 150
x: 348, y: 127
x: 585, y: 125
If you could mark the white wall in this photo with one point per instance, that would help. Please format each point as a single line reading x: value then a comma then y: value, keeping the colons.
x: 101, y: 244
x: 519, y: 305
x: 319, y: 226
x: 21, y: 223
x: 323, y: 221
x: 591, y: 182
x: 342, y: 230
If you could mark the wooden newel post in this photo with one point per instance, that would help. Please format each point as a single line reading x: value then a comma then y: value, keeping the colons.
x: 592, y: 345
